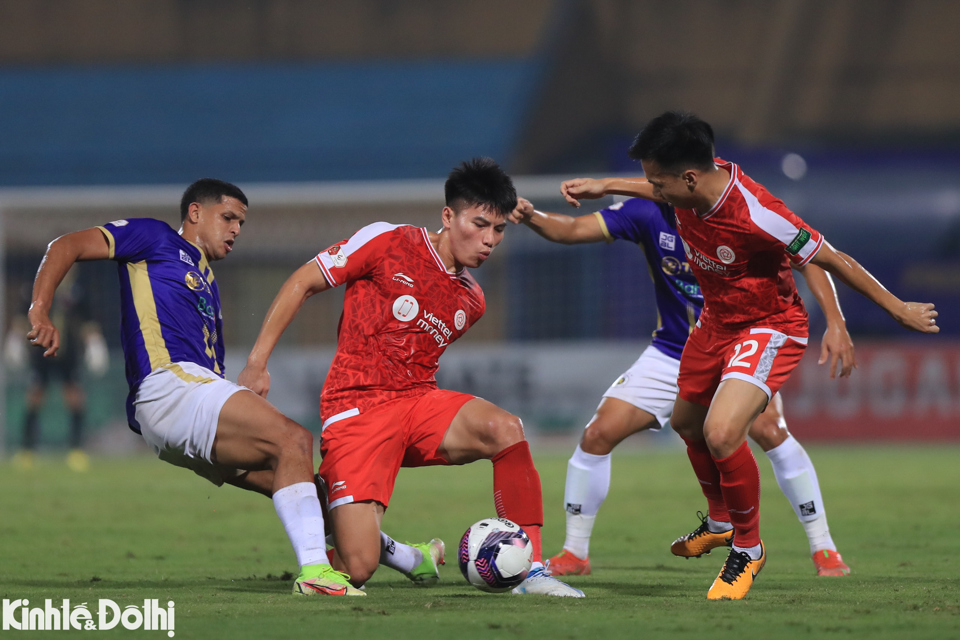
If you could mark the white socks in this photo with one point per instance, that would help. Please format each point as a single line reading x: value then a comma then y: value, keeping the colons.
x: 716, y: 526
x: 798, y: 481
x: 298, y: 507
x: 753, y: 552
x: 588, y: 482
x: 397, y: 555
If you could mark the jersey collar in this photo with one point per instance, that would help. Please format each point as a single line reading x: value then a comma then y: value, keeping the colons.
x: 734, y: 171
x: 436, y: 256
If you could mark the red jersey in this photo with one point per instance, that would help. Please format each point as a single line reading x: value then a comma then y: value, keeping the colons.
x: 740, y: 251
x: 401, y: 310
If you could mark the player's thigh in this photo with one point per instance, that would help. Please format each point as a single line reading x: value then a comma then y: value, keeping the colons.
x: 479, y: 430
x: 356, y: 533
x: 734, y: 408
x: 688, y: 419
x: 252, y: 433
x: 614, y: 421
x: 769, y: 430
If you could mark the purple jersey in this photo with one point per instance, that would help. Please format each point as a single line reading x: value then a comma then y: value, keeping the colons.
x: 653, y: 227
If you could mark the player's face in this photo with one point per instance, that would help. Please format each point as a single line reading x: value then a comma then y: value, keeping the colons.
x: 218, y: 226
x: 474, y: 233
x: 671, y: 187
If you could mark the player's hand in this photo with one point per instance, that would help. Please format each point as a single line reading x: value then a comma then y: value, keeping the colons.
x: 42, y: 332
x: 918, y: 316
x: 582, y: 189
x: 838, y: 346
x: 257, y: 379
x: 522, y: 212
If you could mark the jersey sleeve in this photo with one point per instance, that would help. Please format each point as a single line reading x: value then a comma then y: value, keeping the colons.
x: 354, y: 258
x: 799, y: 241
x: 627, y: 220
x: 133, y: 240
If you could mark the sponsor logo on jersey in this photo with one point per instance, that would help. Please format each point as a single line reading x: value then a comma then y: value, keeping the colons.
x: 205, y: 308
x: 403, y: 278
x: 668, y: 241
x: 119, y: 223
x: 195, y: 281
x: 671, y: 266
x: 808, y: 509
x: 339, y: 485
x: 726, y: 254
x: 798, y: 242
x: 185, y: 257
x: 436, y: 328
x: 459, y: 319
x: 339, y: 257
x: 405, y: 308
x: 702, y: 261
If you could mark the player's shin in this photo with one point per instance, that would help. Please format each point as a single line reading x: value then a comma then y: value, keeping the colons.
x: 709, y: 477
x: 517, y: 493
x: 798, y: 480
x: 588, y: 482
x: 397, y: 555
x: 740, y: 483
x: 298, y: 507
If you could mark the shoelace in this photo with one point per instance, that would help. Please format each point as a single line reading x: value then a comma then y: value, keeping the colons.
x: 737, y: 561
x: 702, y: 529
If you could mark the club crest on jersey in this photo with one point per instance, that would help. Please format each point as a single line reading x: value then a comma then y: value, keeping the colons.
x: 405, y: 308
x: 195, y: 281
x: 726, y: 254
x: 339, y: 257
x: 404, y: 279
x: 668, y: 241
x: 459, y: 319
x: 185, y: 257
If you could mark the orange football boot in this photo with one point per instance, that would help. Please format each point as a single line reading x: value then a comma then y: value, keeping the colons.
x: 829, y: 563
x: 737, y: 576
x: 700, y: 541
x: 567, y: 564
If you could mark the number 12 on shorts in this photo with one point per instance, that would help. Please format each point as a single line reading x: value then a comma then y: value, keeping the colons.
x: 748, y: 348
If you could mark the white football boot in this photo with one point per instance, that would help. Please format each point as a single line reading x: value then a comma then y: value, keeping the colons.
x: 542, y: 583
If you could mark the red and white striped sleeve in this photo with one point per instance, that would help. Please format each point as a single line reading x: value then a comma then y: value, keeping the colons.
x: 352, y: 259
x: 799, y: 240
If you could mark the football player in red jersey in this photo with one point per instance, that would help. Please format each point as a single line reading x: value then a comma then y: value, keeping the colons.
x: 409, y: 295
x: 740, y: 241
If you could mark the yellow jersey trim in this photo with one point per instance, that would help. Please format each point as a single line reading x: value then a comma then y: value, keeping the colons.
x: 204, y: 265
x: 603, y: 227
x: 110, y: 241
x: 146, y: 307
x: 178, y: 371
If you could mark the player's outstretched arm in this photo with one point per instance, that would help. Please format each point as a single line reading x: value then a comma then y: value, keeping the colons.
x: 557, y: 227
x: 89, y: 244
x: 590, y: 189
x: 916, y: 316
x: 836, y: 344
x: 306, y: 281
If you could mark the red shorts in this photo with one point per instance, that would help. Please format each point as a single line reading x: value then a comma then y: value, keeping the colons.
x: 764, y: 357
x: 363, y: 453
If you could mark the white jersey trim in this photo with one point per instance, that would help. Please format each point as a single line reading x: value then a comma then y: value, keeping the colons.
x: 770, y: 222
x: 748, y: 378
x: 794, y: 338
x: 734, y: 180
x: 343, y: 415
x: 340, y: 501
x: 351, y: 246
x: 436, y: 256
x: 806, y: 254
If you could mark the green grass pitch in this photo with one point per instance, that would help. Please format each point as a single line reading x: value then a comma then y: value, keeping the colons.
x: 137, y: 528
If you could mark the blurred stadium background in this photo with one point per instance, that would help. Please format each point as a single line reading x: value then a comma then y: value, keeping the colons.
x: 332, y: 115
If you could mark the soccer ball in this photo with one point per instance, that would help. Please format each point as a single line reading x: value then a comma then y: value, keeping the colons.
x: 495, y: 555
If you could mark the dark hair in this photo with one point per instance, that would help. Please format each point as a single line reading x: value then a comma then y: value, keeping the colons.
x: 675, y: 140
x: 480, y: 181
x: 207, y: 190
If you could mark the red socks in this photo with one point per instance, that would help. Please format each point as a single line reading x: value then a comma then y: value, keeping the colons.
x: 709, y: 477
x: 517, y: 493
x: 740, y: 482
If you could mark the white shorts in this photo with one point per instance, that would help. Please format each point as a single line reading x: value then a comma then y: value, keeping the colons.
x: 178, y: 408
x: 650, y: 384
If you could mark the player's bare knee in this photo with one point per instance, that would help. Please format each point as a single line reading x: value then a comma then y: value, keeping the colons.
x: 505, y: 431
x: 722, y: 439
x: 767, y: 433
x: 596, y: 441
x: 295, y: 440
x: 360, y: 568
